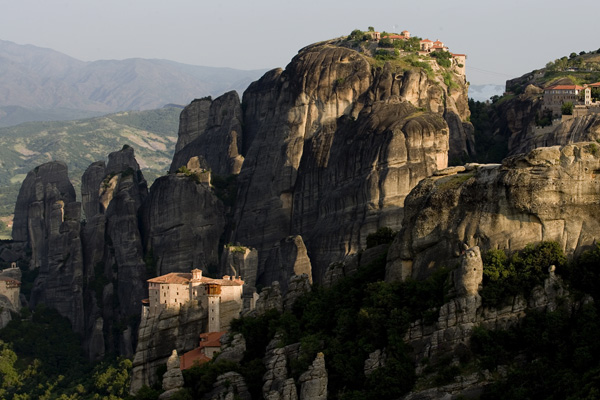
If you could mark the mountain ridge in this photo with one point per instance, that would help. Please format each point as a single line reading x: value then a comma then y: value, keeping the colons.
x: 46, y: 81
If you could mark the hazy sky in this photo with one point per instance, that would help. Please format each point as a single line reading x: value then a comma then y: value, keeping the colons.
x: 502, y: 39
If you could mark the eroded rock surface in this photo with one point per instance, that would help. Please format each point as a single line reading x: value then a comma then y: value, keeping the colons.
x: 47, y: 220
x: 286, y: 259
x: 182, y: 222
x: 212, y: 130
x: 548, y: 194
x: 159, y: 334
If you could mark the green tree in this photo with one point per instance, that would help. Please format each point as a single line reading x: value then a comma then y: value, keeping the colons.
x: 371, y: 29
x: 567, y: 108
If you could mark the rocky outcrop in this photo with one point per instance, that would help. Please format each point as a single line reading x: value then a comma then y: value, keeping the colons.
x: 122, y: 193
x: 271, y: 297
x: 241, y: 261
x: 277, y: 384
x: 350, y: 264
x: 457, y: 318
x: 172, y: 379
x: 287, y: 258
x: 232, y: 348
x: 376, y: 360
x: 229, y: 386
x: 213, y: 131
x: 298, y: 286
x: 159, y: 334
x: 313, y: 383
x: 182, y: 222
x: 47, y: 220
x: 335, y: 154
x: 547, y: 194
x: 578, y: 129
x: 469, y: 277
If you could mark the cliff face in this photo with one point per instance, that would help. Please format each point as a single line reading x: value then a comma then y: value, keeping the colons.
x: 578, y: 129
x: 182, y: 222
x: 548, y: 194
x: 159, y: 335
x: 332, y: 148
x: 213, y: 131
x: 47, y: 221
x: 113, y: 253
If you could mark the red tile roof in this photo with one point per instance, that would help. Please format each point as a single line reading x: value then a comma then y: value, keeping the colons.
x: 426, y: 40
x: 564, y: 87
x: 183, y: 278
x: 211, y: 339
x: 597, y: 84
x: 191, y: 358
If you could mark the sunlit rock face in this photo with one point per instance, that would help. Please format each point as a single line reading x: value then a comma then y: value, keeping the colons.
x: 550, y: 193
x: 332, y: 146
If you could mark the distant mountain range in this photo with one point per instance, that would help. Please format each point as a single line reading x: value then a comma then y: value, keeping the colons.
x: 39, y: 84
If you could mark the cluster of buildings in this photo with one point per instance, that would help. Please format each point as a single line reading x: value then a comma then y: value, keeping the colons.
x: 580, y: 96
x: 426, y: 47
x: 222, y: 298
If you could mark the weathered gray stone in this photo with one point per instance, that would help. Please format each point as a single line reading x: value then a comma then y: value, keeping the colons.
x: 241, y: 261
x: 232, y: 350
x: 286, y: 259
x: 469, y: 276
x: 229, y: 386
x: 173, y: 378
x: 313, y: 383
x: 212, y: 130
x: 338, y: 150
x: 47, y: 221
x: 375, y: 361
x: 297, y: 286
x: 547, y: 194
x: 158, y: 334
x: 182, y: 221
x: 269, y: 299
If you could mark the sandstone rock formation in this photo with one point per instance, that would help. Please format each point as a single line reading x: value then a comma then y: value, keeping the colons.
x: 229, y: 386
x: 182, y: 222
x: 350, y: 264
x: 212, y: 130
x: 277, y: 383
x: 240, y: 261
x: 313, y: 383
x: 336, y: 153
x: 578, y: 129
x: 271, y: 297
x: 173, y: 378
x: 286, y: 258
x: 468, y: 278
x: 458, y: 317
x: 232, y: 349
x: 158, y: 335
x: 120, y: 274
x: 548, y: 194
x: 47, y: 220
